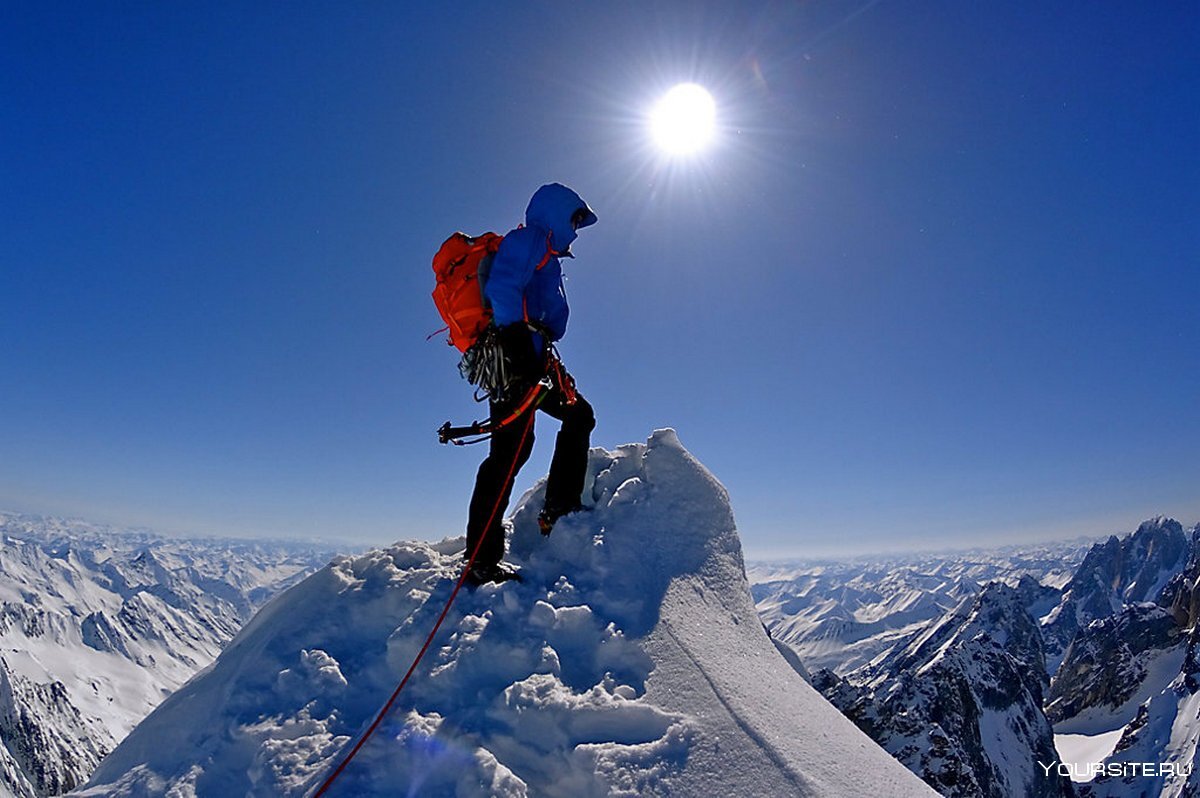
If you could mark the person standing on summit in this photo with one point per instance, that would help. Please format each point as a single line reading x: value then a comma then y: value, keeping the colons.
x: 529, y: 309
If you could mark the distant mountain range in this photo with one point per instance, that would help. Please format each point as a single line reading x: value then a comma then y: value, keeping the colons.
x: 842, y: 614
x: 98, y: 626
x: 1003, y: 673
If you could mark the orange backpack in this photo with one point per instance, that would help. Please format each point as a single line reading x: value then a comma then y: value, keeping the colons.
x: 461, y: 266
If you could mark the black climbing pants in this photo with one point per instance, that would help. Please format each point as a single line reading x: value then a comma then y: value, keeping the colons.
x: 494, y: 482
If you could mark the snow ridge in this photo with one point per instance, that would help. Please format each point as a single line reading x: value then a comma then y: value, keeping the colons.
x: 629, y: 662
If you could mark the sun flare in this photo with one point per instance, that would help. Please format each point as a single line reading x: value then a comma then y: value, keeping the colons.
x: 684, y: 120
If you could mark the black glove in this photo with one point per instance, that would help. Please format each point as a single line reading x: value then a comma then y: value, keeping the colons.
x: 524, y: 364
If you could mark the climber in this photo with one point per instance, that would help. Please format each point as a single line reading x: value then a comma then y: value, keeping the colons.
x: 524, y: 288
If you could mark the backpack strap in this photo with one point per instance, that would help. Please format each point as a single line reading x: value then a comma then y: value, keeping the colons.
x: 549, y: 253
x: 545, y: 259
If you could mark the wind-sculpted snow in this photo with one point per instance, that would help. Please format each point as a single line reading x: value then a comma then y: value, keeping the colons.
x: 629, y: 662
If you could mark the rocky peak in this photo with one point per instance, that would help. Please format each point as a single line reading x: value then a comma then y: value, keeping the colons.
x: 1115, y: 573
x: 1105, y: 664
x: 960, y: 702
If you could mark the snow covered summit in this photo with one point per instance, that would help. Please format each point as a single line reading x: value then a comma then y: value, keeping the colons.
x: 630, y: 662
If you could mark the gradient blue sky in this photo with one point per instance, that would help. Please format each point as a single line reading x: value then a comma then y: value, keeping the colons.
x: 934, y: 284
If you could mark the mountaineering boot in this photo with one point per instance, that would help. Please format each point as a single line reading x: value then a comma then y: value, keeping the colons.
x: 549, y: 516
x: 480, y: 574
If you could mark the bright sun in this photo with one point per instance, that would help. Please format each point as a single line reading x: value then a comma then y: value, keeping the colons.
x: 683, y: 121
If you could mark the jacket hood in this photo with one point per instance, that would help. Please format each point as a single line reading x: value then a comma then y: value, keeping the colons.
x: 551, y: 208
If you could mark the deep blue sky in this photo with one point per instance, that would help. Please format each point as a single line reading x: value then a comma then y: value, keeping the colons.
x: 935, y: 283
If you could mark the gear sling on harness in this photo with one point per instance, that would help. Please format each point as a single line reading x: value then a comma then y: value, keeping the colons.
x: 555, y: 375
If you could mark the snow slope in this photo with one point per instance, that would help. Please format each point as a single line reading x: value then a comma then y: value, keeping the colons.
x: 630, y: 662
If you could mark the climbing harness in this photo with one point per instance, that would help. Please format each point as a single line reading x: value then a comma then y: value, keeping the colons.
x: 485, y: 429
x: 479, y: 431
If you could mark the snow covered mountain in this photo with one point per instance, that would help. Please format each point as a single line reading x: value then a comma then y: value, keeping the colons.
x: 1116, y: 573
x: 960, y: 702
x: 1107, y: 662
x: 629, y: 662
x: 1156, y: 728
x: 841, y: 615
x: 1123, y: 624
x: 98, y: 626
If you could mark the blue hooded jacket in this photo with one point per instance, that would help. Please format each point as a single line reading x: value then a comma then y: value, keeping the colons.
x: 516, y: 288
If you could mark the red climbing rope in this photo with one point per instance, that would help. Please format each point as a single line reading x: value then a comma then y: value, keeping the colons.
x: 428, y: 640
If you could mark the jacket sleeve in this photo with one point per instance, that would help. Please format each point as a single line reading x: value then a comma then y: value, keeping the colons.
x: 511, y: 272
